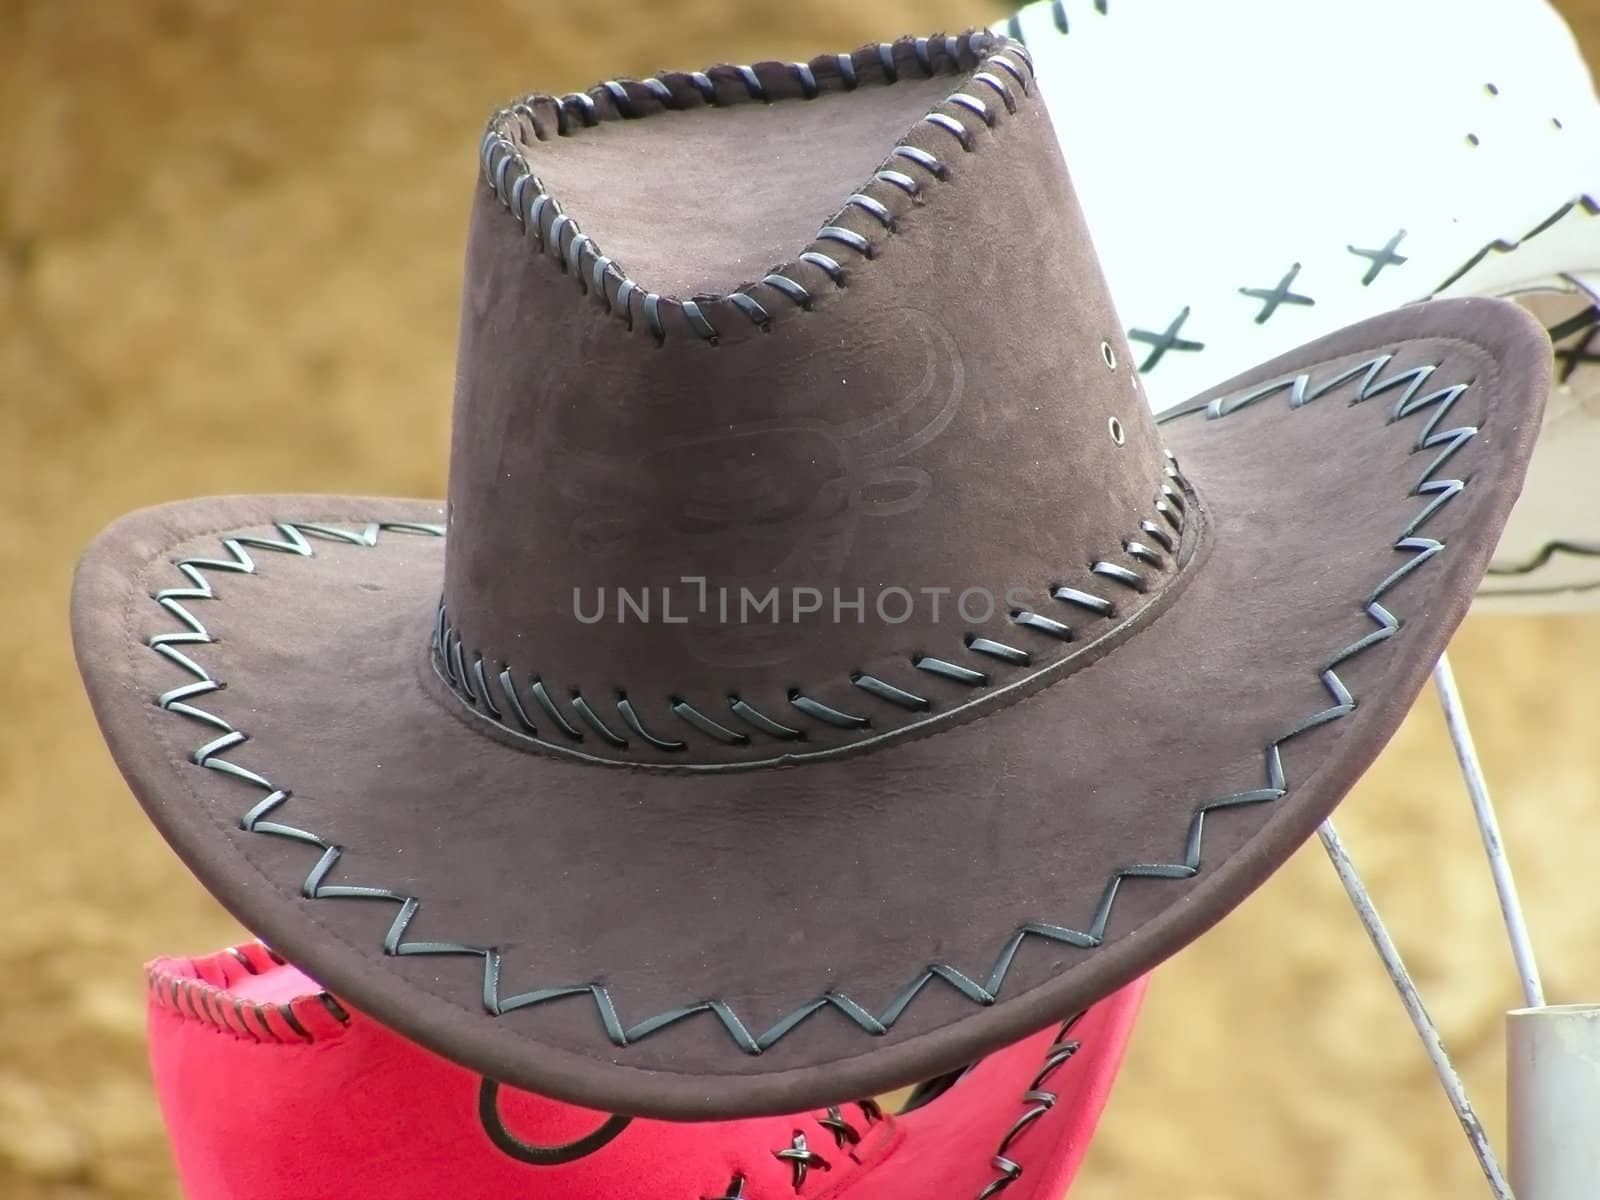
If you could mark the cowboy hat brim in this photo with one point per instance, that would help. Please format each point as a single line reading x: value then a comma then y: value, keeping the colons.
x: 719, y: 944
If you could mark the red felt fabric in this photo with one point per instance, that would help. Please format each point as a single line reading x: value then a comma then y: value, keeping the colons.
x: 271, y: 1092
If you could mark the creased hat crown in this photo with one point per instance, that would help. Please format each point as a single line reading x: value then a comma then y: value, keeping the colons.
x: 716, y: 502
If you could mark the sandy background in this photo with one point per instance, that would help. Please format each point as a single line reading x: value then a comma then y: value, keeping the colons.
x: 230, y: 238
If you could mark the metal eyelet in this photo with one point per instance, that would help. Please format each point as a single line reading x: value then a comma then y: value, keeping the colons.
x: 1118, y: 434
x: 1109, y: 355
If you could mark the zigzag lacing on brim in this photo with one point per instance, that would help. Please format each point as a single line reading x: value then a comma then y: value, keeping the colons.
x: 294, y: 538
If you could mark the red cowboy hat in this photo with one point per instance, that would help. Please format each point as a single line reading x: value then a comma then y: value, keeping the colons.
x: 274, y: 1090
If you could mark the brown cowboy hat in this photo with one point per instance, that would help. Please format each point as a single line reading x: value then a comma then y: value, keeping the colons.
x: 819, y: 676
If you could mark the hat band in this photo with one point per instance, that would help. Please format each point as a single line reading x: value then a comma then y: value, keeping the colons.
x: 671, y: 733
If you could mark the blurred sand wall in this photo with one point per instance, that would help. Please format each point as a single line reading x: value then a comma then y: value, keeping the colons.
x: 230, y: 237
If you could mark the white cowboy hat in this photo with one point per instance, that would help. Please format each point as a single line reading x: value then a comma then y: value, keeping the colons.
x: 1391, y: 150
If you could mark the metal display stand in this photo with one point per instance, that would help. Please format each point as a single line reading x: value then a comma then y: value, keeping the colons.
x: 1553, y: 1053
x: 1553, y: 1101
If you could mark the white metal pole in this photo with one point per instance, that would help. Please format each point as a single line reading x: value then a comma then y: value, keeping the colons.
x: 1553, y: 1101
x: 1449, y: 1079
x: 1455, y: 718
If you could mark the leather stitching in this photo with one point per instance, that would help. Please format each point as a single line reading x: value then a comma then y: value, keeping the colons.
x: 297, y: 539
x: 979, y: 101
x: 520, y: 703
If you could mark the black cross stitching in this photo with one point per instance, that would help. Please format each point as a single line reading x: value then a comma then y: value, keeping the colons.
x: 1576, y: 355
x: 1380, y: 258
x: 1280, y: 294
x: 801, y: 1158
x: 1167, y: 339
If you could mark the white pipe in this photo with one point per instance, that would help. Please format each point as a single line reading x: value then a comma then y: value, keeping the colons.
x: 1553, y: 1101
x: 1455, y: 719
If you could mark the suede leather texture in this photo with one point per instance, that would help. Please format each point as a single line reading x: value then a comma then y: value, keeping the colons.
x: 257, y: 1109
x: 709, y: 175
x: 779, y: 899
x: 908, y: 432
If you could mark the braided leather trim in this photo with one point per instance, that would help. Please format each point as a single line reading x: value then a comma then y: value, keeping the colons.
x: 522, y: 704
x: 998, y: 69
x: 199, y: 989
x: 295, y: 539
